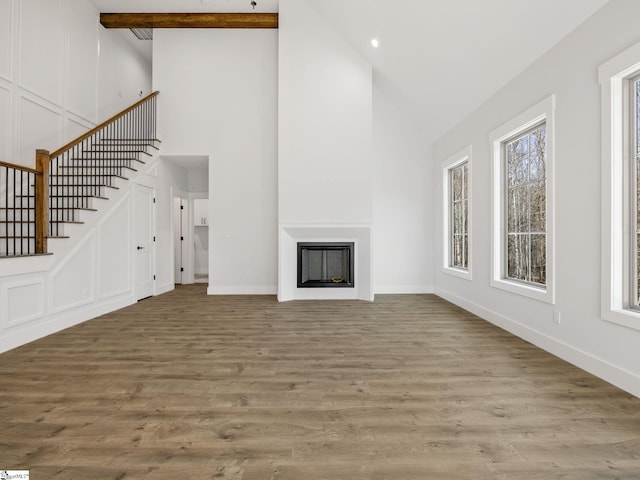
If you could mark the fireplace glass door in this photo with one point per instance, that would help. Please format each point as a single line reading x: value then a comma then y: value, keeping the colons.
x: 325, y: 264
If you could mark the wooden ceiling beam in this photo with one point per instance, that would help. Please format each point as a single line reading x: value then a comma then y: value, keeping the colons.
x: 189, y: 20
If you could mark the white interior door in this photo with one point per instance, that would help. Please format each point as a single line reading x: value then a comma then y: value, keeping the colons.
x: 143, y: 231
x: 180, y: 229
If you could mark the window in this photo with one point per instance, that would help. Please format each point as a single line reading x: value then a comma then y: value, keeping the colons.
x: 620, y: 89
x: 457, y: 219
x: 522, y: 207
x: 526, y: 251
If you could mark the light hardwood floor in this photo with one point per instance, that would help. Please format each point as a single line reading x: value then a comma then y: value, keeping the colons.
x: 189, y: 386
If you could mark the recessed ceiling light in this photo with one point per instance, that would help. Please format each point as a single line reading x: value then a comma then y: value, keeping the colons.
x: 375, y: 43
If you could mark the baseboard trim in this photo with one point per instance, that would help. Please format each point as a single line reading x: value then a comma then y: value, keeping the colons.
x: 402, y: 289
x: 255, y: 290
x: 617, y: 376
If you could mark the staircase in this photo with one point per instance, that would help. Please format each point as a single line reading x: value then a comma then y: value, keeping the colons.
x: 79, y: 180
x: 36, y: 204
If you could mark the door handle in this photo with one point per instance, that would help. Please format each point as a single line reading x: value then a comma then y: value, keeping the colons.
x: 140, y: 248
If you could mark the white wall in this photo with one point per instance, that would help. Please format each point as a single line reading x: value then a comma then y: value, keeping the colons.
x: 218, y: 97
x: 198, y: 180
x: 55, y: 86
x: 123, y: 71
x: 570, y: 72
x: 324, y: 123
x: 402, y: 202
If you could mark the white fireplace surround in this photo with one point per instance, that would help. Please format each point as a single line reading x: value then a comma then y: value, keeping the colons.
x: 290, y: 235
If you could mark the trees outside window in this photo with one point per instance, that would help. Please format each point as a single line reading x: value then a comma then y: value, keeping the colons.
x: 458, y: 211
x: 525, y: 196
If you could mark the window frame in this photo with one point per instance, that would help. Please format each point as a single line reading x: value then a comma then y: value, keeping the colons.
x: 541, y: 113
x: 448, y: 165
x: 615, y: 77
x: 631, y: 98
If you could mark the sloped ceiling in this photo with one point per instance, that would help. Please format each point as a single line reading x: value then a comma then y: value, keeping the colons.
x: 438, y: 60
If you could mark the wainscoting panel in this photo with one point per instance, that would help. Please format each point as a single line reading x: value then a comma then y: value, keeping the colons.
x: 83, y: 61
x: 76, y: 126
x: 115, y: 248
x: 42, y: 48
x: 6, y: 29
x: 5, y: 123
x: 24, y: 301
x: 40, y: 127
x: 73, y: 282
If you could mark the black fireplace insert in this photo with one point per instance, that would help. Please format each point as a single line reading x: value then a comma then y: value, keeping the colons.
x: 325, y: 264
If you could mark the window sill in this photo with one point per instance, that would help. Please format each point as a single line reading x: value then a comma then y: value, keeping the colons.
x: 457, y: 272
x: 624, y: 317
x: 536, y: 293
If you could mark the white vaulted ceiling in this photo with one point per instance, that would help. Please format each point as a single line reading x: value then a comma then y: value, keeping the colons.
x: 438, y: 59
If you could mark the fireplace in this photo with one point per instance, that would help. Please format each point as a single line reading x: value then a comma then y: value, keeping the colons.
x: 325, y: 264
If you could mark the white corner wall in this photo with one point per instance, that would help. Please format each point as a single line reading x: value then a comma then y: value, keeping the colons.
x: 569, y: 71
x: 218, y: 98
x: 53, y: 86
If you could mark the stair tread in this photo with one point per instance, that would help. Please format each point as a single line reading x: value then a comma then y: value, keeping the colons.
x: 133, y: 142
x: 94, y: 167
x: 83, y: 185
x: 78, y: 196
x: 4, y: 255
x: 131, y: 139
x: 81, y: 159
x: 65, y: 175
x: 75, y: 208
x: 113, y: 151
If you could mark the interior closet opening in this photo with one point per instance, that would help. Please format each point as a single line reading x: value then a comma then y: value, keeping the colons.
x: 190, y: 187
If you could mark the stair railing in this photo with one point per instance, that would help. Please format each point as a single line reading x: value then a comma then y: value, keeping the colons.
x: 90, y: 154
x: 37, y: 200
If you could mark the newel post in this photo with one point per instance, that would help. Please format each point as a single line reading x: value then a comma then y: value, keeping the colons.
x: 42, y: 200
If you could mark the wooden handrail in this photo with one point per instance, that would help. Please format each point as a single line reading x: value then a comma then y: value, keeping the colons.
x: 20, y: 167
x: 189, y: 20
x: 94, y: 130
